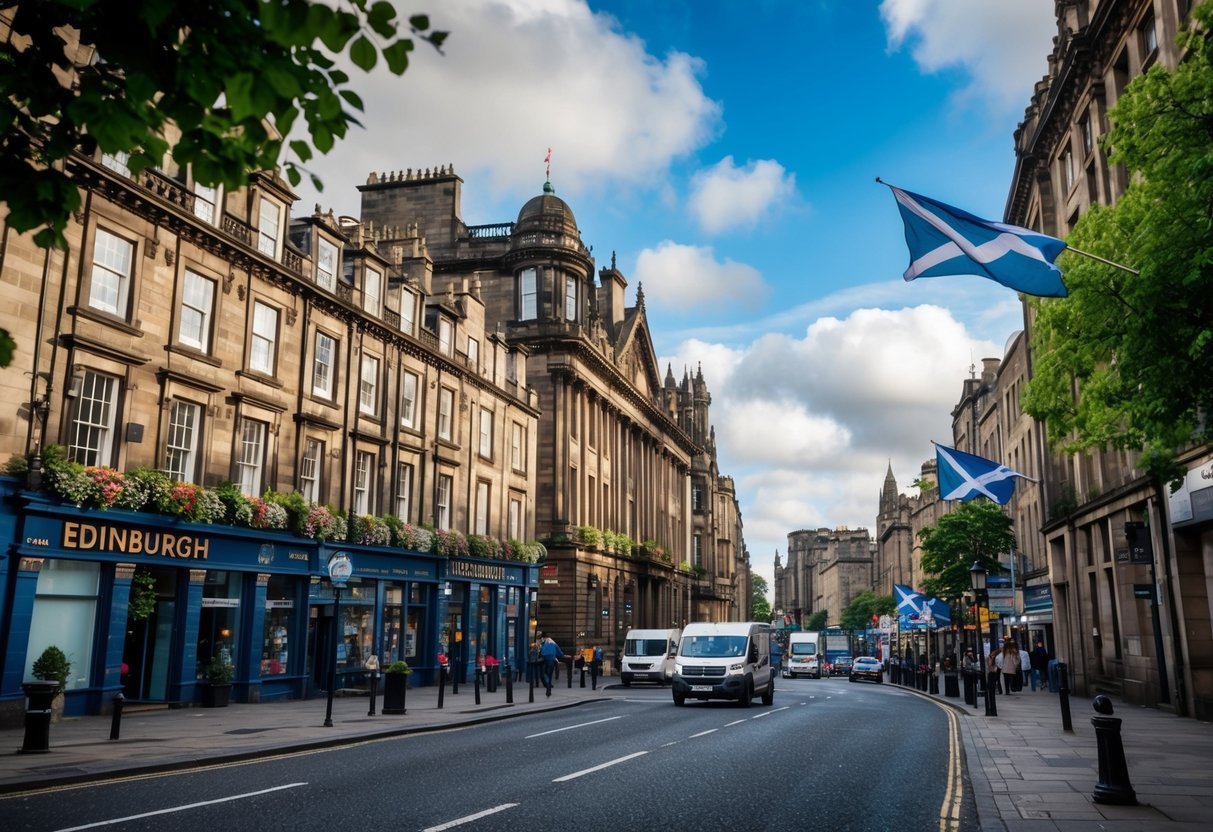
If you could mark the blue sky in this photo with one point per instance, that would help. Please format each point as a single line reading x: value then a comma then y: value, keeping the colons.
x: 727, y: 152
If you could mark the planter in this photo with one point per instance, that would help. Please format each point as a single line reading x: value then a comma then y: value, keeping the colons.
x: 216, y: 696
x: 395, y: 685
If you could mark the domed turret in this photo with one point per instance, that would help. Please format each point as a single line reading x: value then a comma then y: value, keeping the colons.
x: 547, y: 220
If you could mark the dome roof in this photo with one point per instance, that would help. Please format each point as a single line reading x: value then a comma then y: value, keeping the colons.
x: 550, y: 217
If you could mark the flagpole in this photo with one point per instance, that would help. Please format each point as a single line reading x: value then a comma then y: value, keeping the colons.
x: 1101, y: 259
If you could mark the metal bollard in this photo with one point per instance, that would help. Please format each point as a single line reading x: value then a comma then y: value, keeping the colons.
x: 441, y: 684
x: 1113, y: 786
x: 1063, y: 695
x: 476, y: 685
x: 454, y: 680
x: 116, y: 718
x: 509, y: 687
x: 531, y: 681
x: 569, y: 662
x: 374, y: 678
x: 583, y: 676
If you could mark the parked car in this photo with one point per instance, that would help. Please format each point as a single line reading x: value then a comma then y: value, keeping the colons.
x: 841, y: 666
x: 866, y: 667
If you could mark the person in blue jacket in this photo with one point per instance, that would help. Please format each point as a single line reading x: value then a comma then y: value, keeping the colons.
x: 551, y: 653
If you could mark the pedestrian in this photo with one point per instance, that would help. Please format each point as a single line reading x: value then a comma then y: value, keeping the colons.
x: 1007, y: 661
x: 595, y: 667
x: 551, y: 653
x: 1040, y: 664
x: 533, y: 663
x: 1025, y: 667
x: 993, y: 676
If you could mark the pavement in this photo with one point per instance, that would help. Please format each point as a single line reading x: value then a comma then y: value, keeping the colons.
x: 1025, y: 771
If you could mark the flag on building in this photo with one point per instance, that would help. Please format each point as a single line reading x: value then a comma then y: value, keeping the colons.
x: 917, y: 609
x: 966, y: 476
x: 948, y: 241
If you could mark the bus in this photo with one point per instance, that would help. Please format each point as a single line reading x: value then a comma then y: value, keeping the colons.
x: 834, y: 643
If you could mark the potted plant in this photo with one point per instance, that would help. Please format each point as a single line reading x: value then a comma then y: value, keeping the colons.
x: 217, y: 691
x: 52, y: 670
x: 395, y: 684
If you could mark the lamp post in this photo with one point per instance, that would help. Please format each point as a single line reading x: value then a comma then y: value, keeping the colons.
x: 340, y: 568
x: 977, y: 578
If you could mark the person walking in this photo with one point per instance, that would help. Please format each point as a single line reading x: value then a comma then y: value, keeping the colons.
x: 1025, y: 667
x: 1040, y: 665
x: 551, y: 653
x: 1008, y: 663
x: 595, y: 667
x: 993, y: 675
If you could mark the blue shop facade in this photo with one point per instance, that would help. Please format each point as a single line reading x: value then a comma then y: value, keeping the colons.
x: 142, y: 604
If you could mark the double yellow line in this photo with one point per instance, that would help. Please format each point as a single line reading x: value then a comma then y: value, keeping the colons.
x: 949, y: 812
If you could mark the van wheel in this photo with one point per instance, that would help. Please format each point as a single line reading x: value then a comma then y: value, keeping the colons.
x: 769, y: 696
x: 747, y: 695
x: 627, y: 681
x: 679, y: 700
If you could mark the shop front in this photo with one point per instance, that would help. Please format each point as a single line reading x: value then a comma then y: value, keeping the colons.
x: 144, y: 604
x: 485, y: 607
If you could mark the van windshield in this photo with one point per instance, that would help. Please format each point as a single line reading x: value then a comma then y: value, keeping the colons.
x: 644, y: 647
x: 713, y: 647
x: 804, y: 648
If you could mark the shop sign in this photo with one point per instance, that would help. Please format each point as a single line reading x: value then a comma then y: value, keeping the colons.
x: 340, y: 568
x: 549, y: 574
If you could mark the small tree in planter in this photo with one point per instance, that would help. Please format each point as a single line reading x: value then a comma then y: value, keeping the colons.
x: 52, y: 666
x: 395, y: 685
x: 218, y: 689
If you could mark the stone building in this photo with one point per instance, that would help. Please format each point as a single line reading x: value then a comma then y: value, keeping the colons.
x: 202, y: 334
x: 640, y: 528
x: 1128, y: 564
x: 899, y: 520
x: 825, y: 570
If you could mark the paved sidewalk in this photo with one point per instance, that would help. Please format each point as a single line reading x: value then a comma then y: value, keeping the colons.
x: 1026, y: 772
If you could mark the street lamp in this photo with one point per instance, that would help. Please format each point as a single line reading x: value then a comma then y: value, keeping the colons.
x: 977, y: 578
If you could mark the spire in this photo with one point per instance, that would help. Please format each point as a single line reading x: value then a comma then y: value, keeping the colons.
x: 889, y: 494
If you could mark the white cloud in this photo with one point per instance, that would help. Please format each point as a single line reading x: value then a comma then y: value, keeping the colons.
x: 725, y: 196
x: 1002, y: 45
x: 808, y: 426
x: 682, y: 276
x: 515, y: 79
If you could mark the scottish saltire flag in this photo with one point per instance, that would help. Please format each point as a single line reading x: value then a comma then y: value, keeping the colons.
x: 967, y: 476
x: 948, y: 241
x: 919, y: 610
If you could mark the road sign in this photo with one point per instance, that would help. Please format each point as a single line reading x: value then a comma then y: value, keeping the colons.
x: 340, y: 568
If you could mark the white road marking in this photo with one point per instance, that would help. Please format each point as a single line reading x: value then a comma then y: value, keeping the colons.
x: 734, y: 722
x: 761, y: 715
x: 583, y: 772
x: 571, y: 727
x: 173, y: 809
x: 704, y: 733
x: 451, y: 824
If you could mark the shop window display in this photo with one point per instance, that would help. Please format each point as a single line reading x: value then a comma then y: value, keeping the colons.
x: 219, y: 619
x: 276, y: 639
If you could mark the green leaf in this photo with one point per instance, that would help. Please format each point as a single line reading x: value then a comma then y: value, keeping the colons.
x: 301, y: 149
x: 381, y: 18
x: 397, y: 56
x: 363, y: 53
x: 420, y: 22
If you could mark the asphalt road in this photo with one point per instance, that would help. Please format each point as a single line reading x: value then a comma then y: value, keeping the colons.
x: 827, y: 755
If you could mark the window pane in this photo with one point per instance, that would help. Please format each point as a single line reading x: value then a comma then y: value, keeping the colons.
x: 326, y: 264
x: 265, y: 333
x: 267, y: 229
x: 197, y: 299
x: 371, y: 291
x: 252, y: 455
x: 368, y: 397
x: 109, y: 284
x: 526, y: 291
x: 322, y: 367
x: 404, y: 492
x: 180, y: 457
x: 445, y: 403
x: 309, y: 470
x: 205, y: 200
x: 92, y: 430
x: 408, y: 401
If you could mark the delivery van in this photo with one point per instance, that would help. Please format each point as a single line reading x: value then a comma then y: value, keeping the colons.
x: 802, y: 658
x: 724, y: 661
x: 648, y: 656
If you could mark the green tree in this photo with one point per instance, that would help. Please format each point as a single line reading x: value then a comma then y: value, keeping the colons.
x: 218, y: 85
x: 817, y: 621
x: 1139, y: 347
x: 760, y: 606
x: 977, y: 531
x: 858, y: 614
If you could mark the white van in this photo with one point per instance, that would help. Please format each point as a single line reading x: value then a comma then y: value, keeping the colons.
x: 802, y: 658
x: 724, y: 661
x: 648, y: 656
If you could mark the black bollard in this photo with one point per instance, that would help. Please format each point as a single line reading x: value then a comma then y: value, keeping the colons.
x: 441, y: 684
x: 531, y: 681
x: 583, y: 676
x: 1113, y: 786
x: 1063, y: 695
x: 454, y: 680
x: 569, y: 662
x: 476, y: 686
x: 374, y: 679
x: 116, y: 717
x: 509, y: 686
x: 991, y: 689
